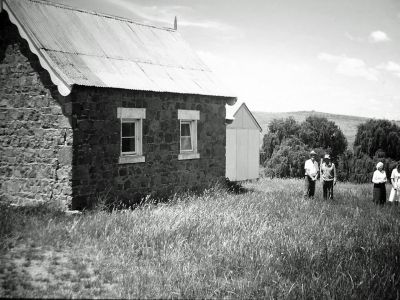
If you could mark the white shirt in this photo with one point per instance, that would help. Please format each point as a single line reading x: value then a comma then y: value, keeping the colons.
x: 396, y: 177
x: 310, y: 167
x: 379, y: 177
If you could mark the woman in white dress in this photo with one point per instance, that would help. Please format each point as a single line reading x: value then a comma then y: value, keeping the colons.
x: 395, y: 192
x: 379, y: 179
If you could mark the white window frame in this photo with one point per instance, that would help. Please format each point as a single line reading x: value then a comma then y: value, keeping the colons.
x: 137, y: 123
x: 191, y: 117
x: 191, y: 129
x: 132, y: 115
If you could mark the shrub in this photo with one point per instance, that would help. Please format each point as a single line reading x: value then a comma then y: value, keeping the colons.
x: 288, y: 159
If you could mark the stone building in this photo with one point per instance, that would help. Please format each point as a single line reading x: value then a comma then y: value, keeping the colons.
x: 94, y: 105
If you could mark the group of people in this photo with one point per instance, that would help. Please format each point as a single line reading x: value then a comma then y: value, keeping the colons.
x: 379, y: 179
x: 327, y: 174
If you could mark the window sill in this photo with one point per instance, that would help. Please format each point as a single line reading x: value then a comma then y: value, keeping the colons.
x: 131, y: 159
x: 191, y: 155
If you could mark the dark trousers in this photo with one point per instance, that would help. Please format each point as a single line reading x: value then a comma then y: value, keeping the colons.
x: 327, y: 189
x: 309, y: 190
x: 379, y: 193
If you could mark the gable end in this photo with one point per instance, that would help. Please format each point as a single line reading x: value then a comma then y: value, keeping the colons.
x: 63, y: 87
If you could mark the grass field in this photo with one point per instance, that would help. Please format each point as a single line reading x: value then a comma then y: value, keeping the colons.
x: 268, y: 242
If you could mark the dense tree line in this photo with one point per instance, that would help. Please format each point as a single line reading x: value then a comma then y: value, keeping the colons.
x: 376, y: 140
x: 287, y: 145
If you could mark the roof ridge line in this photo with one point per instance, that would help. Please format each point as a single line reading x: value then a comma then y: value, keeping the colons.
x: 64, y: 6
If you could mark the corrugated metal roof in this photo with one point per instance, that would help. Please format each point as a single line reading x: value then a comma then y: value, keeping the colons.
x: 91, y: 49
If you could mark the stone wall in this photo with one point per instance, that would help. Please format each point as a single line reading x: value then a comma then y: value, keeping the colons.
x: 35, y: 135
x: 66, y: 149
x: 97, y: 144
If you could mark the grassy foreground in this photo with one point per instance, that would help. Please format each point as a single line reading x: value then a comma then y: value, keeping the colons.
x: 268, y: 242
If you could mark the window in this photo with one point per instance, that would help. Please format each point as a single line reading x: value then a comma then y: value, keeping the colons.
x: 186, y: 137
x: 188, y: 134
x: 131, y: 134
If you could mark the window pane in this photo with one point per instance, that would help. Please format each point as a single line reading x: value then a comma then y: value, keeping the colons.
x: 185, y: 129
x: 128, y: 145
x: 186, y: 143
x: 128, y: 129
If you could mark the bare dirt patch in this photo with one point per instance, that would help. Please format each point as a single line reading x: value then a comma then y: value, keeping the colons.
x: 30, y: 271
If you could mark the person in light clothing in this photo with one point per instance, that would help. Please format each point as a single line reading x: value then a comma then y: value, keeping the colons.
x: 379, y: 179
x: 311, y: 173
x: 395, y: 178
x: 328, y: 177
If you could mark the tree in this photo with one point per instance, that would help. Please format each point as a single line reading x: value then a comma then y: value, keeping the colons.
x: 345, y: 166
x: 360, y: 167
x: 363, y: 169
x: 393, y: 145
x: 278, y: 130
x: 284, y: 128
x: 270, y: 141
x: 318, y: 132
x: 380, y: 136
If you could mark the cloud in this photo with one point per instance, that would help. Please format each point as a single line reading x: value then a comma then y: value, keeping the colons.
x: 353, y: 38
x: 378, y: 37
x: 391, y: 67
x: 349, y: 66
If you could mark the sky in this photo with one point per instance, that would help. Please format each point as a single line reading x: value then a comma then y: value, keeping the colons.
x: 340, y: 57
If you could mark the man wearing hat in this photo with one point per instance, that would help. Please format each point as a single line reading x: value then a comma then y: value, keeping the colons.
x: 328, y: 177
x: 311, y: 170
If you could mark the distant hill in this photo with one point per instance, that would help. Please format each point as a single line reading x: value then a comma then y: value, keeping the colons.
x: 348, y: 124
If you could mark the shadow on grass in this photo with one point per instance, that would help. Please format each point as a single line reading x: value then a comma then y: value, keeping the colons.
x: 236, y: 187
x: 15, y: 221
x: 111, y: 201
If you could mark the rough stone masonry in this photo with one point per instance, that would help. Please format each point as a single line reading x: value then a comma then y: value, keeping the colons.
x: 35, y: 135
x: 66, y: 149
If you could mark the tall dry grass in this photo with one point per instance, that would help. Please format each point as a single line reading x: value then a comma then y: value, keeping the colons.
x: 268, y: 242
